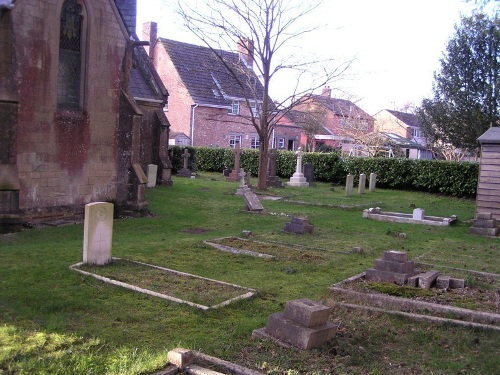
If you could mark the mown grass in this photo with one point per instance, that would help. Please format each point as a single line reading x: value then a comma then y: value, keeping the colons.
x: 54, y: 320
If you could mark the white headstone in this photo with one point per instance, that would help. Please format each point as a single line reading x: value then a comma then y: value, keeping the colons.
x: 298, y: 178
x: 418, y: 214
x: 97, y: 233
x: 152, y: 172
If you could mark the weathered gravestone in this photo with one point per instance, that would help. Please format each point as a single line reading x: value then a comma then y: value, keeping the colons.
x: 243, y: 188
x: 271, y: 178
x: 303, y: 324
x: 97, y: 233
x: 373, y: 182
x: 362, y: 183
x: 299, y: 225
x: 484, y: 224
x: 309, y: 173
x: 252, y: 201
x: 418, y: 214
x: 152, y: 172
x: 234, y: 175
x: 185, y: 172
x: 166, y: 173
x: 394, y: 267
x: 349, y: 185
x: 298, y: 179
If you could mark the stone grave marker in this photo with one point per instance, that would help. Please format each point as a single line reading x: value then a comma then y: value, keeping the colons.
x: 243, y: 184
x: 362, y: 183
x: 140, y: 200
x: 349, y: 185
x: 271, y: 178
x: 394, y: 267
x: 303, y: 324
x: 484, y: 224
x: 309, y: 173
x: 418, y: 214
x: 298, y: 179
x: 252, y: 201
x: 234, y: 175
x: 97, y: 233
x: 152, y: 172
x: 299, y: 225
x: 373, y: 182
x: 185, y: 172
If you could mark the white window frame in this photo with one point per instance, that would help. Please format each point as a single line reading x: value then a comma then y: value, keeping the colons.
x: 234, y: 139
x: 255, y: 142
x: 235, y: 108
x: 281, y: 142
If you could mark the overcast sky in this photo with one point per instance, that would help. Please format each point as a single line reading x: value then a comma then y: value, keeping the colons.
x: 396, y: 44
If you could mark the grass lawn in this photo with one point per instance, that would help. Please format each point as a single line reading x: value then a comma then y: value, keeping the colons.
x: 54, y: 320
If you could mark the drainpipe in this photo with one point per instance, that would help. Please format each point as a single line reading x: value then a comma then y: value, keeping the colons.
x: 193, y: 107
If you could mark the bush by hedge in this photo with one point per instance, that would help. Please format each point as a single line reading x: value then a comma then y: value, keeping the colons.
x: 435, y: 176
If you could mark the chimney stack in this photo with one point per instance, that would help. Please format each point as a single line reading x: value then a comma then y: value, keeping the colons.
x: 327, y: 91
x: 245, y: 49
x: 150, y: 34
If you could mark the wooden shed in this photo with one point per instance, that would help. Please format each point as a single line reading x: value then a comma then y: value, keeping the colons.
x: 488, y: 187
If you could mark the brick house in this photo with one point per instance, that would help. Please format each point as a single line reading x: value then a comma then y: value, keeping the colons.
x: 78, y: 102
x: 208, y: 105
x: 404, y: 129
x: 339, y: 120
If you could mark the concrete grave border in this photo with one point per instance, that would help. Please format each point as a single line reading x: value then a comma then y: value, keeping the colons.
x: 249, y: 291
x: 397, y: 217
x: 404, y: 306
x: 234, y: 250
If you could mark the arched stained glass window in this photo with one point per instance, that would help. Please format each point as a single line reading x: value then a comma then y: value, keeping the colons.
x: 70, y: 56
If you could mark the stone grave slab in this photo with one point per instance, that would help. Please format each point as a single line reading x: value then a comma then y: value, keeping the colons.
x: 152, y: 172
x: 98, y: 233
x: 252, y: 201
x: 426, y: 279
x: 299, y: 225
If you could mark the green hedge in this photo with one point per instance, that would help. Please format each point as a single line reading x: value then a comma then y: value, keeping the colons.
x: 435, y: 176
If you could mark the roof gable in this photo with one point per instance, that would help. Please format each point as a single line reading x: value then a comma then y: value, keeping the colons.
x: 406, y: 118
x: 341, y: 107
x: 208, y: 79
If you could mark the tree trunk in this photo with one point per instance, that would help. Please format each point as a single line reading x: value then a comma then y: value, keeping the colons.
x: 263, y: 157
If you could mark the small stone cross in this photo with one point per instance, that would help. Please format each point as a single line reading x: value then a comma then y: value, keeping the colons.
x: 186, y: 156
x: 242, y: 175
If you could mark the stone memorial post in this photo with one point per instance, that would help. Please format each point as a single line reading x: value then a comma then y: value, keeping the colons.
x: 139, y: 199
x: 373, y: 182
x: 152, y: 172
x: 234, y: 175
x: 271, y: 178
x: 185, y: 172
x: 362, y: 183
x: 243, y: 183
x: 97, y: 233
x: 309, y: 173
x: 298, y: 178
x: 349, y: 185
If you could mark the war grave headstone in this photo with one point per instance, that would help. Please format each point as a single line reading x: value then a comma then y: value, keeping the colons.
x: 234, y: 175
x: 185, y: 171
x: 362, y: 183
x: 349, y: 185
x: 373, y: 182
x: 309, y: 173
x: 152, y: 172
x: 298, y: 179
x: 243, y: 188
x: 303, y: 324
x: 418, y: 214
x: 98, y: 233
x: 272, y: 179
x: 252, y: 201
x: 299, y: 225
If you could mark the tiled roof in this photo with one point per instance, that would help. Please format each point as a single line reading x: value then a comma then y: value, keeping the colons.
x: 402, y: 141
x: 407, y: 118
x: 144, y: 80
x: 341, y: 107
x: 207, y: 78
x: 128, y: 12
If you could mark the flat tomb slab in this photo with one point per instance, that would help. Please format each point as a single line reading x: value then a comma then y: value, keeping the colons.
x: 171, y: 285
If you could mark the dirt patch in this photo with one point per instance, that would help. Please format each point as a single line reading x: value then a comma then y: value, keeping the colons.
x: 195, y: 230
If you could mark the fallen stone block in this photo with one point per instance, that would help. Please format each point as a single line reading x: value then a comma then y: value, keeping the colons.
x: 443, y: 282
x: 395, y: 256
x: 425, y: 280
x: 457, y: 283
x: 180, y: 357
x: 373, y: 274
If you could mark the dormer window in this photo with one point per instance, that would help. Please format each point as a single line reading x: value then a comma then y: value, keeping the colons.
x: 235, y: 108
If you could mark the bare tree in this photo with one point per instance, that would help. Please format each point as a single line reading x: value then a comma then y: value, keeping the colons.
x: 262, y: 29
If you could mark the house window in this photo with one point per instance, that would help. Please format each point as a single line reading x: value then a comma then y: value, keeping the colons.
x: 255, y: 108
x: 233, y: 140
x: 255, y: 142
x: 281, y: 142
x: 69, y: 76
x: 415, y: 132
x: 235, y: 108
